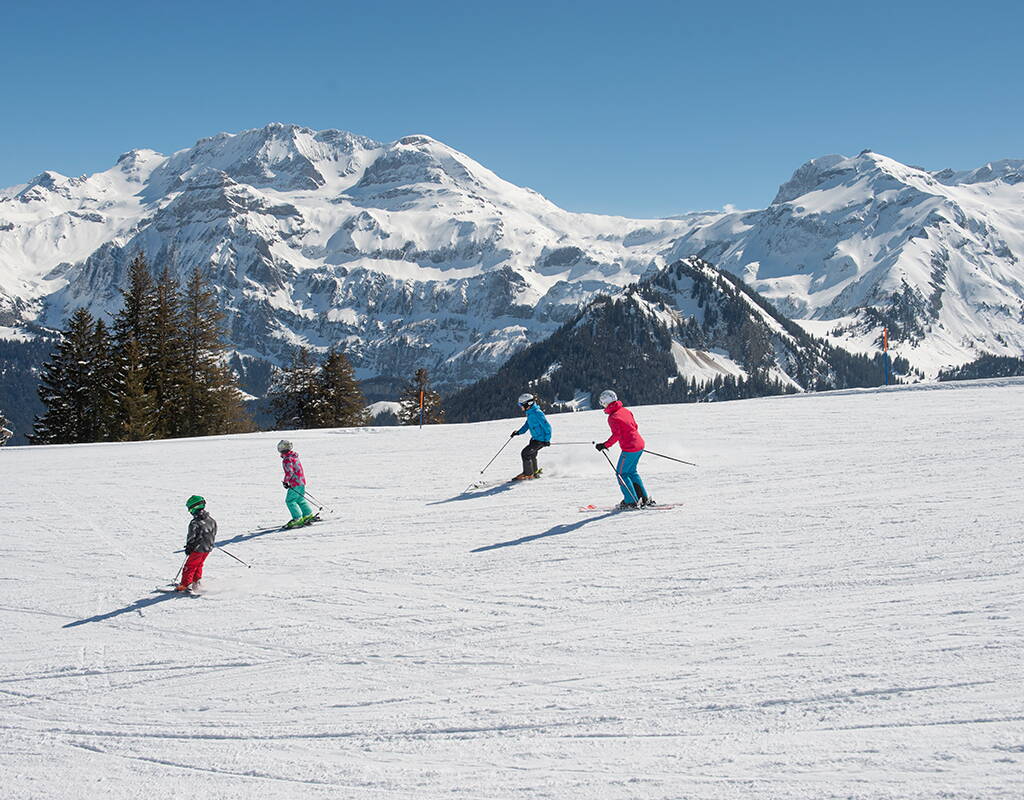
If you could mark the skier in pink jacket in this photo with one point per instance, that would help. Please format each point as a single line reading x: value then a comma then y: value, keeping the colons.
x: 625, y: 432
x: 295, y: 482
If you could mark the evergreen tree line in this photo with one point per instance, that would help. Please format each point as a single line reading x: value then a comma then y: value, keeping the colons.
x: 20, y: 362
x: 325, y: 394
x: 988, y: 366
x: 158, y: 372
x: 313, y: 394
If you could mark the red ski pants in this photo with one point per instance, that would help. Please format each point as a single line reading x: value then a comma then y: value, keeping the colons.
x: 193, y: 568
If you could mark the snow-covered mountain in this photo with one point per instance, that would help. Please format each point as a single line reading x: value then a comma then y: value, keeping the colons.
x: 412, y: 254
x: 687, y: 332
x: 409, y: 252
x: 853, y: 244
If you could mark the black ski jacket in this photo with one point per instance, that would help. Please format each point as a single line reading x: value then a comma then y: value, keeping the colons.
x: 202, y: 530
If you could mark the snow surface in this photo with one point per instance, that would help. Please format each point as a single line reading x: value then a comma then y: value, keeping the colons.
x: 835, y: 611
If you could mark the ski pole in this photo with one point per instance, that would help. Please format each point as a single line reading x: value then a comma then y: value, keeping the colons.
x: 510, y: 438
x: 659, y: 455
x: 632, y: 492
x: 180, y: 569
x: 228, y: 552
x: 319, y: 503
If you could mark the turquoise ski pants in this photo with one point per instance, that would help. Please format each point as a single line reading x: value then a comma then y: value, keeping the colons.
x: 296, y: 501
x: 633, y: 489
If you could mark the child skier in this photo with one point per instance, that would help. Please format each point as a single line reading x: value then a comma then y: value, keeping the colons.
x: 540, y: 436
x: 624, y: 431
x: 295, y: 482
x: 202, y: 531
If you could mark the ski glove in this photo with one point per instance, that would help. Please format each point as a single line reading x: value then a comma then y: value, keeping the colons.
x: 285, y: 485
x: 600, y: 446
x: 515, y: 432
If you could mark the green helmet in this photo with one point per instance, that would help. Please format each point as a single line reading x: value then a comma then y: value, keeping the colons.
x: 195, y: 503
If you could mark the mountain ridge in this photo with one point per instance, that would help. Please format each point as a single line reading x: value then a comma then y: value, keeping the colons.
x: 409, y: 253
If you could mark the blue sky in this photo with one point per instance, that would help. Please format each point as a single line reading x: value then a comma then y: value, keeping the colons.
x: 635, y: 108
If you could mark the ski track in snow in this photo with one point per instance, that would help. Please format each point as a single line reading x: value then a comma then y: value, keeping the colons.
x: 835, y: 611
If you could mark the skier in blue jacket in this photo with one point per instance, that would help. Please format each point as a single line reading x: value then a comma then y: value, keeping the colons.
x: 540, y: 436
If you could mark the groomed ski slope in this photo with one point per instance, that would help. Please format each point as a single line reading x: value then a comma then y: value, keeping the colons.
x: 835, y: 612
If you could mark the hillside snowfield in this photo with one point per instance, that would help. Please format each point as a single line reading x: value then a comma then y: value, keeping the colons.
x: 834, y: 612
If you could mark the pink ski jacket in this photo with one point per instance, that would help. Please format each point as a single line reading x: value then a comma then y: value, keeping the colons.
x: 293, y: 474
x: 623, y: 426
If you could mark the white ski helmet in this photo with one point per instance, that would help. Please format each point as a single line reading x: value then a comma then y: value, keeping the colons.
x: 526, y: 400
x: 284, y: 446
x: 607, y: 396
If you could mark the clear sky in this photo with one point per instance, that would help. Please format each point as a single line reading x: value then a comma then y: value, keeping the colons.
x: 640, y: 108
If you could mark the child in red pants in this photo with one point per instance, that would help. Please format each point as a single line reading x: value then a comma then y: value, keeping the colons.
x: 202, y: 531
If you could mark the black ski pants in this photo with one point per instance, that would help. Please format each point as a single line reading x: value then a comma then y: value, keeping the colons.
x: 530, y: 455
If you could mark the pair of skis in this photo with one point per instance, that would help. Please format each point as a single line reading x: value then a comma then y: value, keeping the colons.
x: 592, y: 509
x: 477, y: 485
x: 316, y: 518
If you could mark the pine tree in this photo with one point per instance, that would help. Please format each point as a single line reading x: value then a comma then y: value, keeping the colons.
x: 164, y: 356
x: 211, y: 401
x: 137, y: 406
x: 136, y: 314
x: 5, y: 430
x: 341, y: 402
x: 415, y: 391
x: 295, y: 393
x: 67, y: 386
x: 102, y: 385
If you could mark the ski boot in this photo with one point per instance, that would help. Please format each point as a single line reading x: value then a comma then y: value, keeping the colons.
x: 293, y: 523
x: 309, y: 519
x: 625, y: 505
x: 181, y: 587
x: 646, y: 502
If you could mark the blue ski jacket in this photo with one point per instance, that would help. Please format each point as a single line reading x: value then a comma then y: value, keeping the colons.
x: 537, y: 424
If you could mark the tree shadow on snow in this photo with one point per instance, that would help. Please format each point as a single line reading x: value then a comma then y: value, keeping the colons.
x: 138, y: 605
x: 558, y: 530
x: 501, y: 487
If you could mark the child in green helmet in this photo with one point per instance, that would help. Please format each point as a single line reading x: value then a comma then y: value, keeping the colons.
x: 202, y: 531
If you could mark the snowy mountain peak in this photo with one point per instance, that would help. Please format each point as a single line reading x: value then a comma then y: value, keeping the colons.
x: 46, y: 184
x: 1009, y: 171
x: 281, y: 157
x: 852, y: 245
x: 807, y: 177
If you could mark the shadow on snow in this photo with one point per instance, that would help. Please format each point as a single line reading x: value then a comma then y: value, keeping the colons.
x: 242, y: 537
x: 245, y: 537
x: 138, y: 605
x: 558, y: 530
x: 501, y: 487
